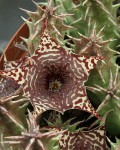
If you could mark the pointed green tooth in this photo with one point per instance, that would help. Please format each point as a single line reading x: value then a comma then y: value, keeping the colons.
x: 25, y: 10
x: 26, y: 20
x: 67, y: 123
x: 5, y: 58
x: 30, y: 13
x: 49, y: 123
x: 115, y: 8
x: 29, y: 23
x: 84, y: 2
x: 38, y: 6
x: 112, y: 21
x: 42, y: 3
x: 24, y: 39
x: 114, y: 146
x: 76, y: 21
x: 72, y: 127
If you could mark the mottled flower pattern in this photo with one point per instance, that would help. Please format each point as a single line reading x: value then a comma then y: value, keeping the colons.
x: 84, y: 140
x: 53, y: 78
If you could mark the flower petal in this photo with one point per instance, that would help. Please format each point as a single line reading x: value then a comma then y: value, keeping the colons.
x: 8, y: 88
x: 53, y: 78
x: 86, y: 140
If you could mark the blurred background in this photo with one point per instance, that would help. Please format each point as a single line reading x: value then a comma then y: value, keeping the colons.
x: 10, y: 18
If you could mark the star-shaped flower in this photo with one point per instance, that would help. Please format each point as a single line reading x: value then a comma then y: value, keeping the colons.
x: 84, y: 140
x: 53, y: 78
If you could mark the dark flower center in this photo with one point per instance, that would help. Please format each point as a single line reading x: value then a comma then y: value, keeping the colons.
x: 55, y: 85
x: 55, y: 80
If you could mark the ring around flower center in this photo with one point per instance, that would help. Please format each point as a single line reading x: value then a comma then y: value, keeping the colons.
x: 55, y: 85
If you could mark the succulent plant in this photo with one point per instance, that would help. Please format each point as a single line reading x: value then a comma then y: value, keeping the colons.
x: 69, y: 79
